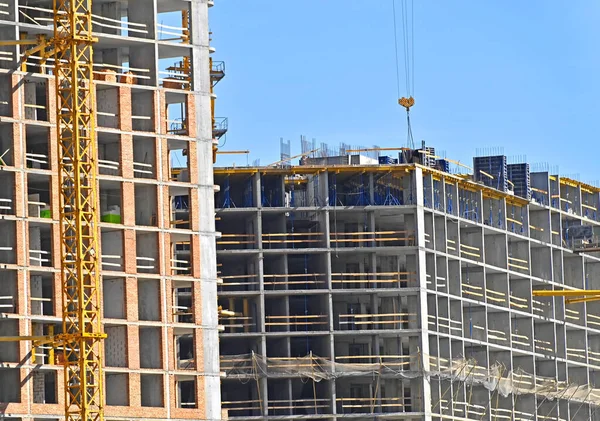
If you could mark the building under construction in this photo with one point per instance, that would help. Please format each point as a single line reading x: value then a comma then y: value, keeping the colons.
x: 392, y: 288
x: 153, y: 78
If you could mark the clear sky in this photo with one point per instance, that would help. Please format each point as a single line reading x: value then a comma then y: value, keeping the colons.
x: 522, y: 75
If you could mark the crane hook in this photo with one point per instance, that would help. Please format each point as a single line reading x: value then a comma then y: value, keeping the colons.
x: 407, y: 102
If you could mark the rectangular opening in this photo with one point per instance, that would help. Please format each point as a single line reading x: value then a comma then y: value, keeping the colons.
x: 7, y: 242
x: 10, y: 386
x: 152, y: 390
x: 117, y: 389
x: 7, y: 193
x: 186, y: 393
x: 176, y: 116
x: 144, y: 157
x: 115, y: 346
x: 181, y: 260
x: 8, y: 291
x: 147, y: 252
x: 150, y: 347
x: 107, y: 98
x: 146, y: 205
x: 174, y: 73
x: 5, y: 87
x: 43, y: 354
x: 42, y: 294
x: 38, y: 199
x: 36, y: 142
x: 149, y: 299
x: 124, y: 18
x: 142, y: 62
x: 9, y: 351
x: 109, y: 153
x: 178, y: 28
x: 180, y: 207
x: 40, y: 244
x: 110, y: 201
x: 184, y: 345
x: 142, y: 110
x: 114, y: 298
x: 183, y: 308
x: 36, y: 106
x: 112, y: 249
x: 178, y: 162
x: 44, y: 387
x: 6, y: 145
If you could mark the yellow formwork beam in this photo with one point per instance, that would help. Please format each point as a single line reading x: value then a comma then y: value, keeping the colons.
x: 566, y: 293
x: 582, y: 300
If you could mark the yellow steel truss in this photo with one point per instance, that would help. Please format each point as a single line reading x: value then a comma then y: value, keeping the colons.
x: 81, y: 337
x: 82, y: 330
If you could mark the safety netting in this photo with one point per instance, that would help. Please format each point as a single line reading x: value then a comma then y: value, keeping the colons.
x: 495, y: 378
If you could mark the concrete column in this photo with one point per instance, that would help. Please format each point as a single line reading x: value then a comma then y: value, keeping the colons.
x: 422, y: 295
x: 208, y: 270
x: 256, y: 186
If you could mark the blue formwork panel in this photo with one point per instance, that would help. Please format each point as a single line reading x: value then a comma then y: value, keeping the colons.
x: 494, y: 166
x: 520, y: 176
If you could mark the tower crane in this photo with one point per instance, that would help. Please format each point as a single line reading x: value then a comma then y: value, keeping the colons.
x: 82, y: 335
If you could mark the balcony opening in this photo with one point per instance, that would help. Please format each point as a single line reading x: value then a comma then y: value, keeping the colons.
x: 181, y: 260
x: 147, y: 252
x: 38, y: 199
x: 107, y: 100
x: 142, y: 110
x: 109, y: 153
x: 144, y: 157
x: 110, y: 201
x: 8, y: 291
x: 184, y: 344
x: 7, y: 242
x: 6, y: 145
x: 37, y: 145
x: 5, y: 88
x: 146, y: 205
x: 112, y: 249
x: 178, y: 161
x: 175, y: 71
x: 42, y: 294
x: 7, y: 193
x: 36, y: 101
x: 180, y: 207
x: 183, y: 307
x: 178, y: 29
x: 40, y: 245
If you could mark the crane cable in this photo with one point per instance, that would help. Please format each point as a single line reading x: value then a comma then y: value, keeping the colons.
x: 409, y: 60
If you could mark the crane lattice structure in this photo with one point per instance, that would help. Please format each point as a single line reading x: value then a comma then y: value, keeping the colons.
x: 82, y: 329
x: 82, y: 335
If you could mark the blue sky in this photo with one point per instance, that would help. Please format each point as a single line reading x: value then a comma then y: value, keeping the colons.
x: 522, y: 75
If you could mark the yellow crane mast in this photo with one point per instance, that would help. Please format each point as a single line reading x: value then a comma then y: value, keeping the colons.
x: 82, y: 335
x: 77, y: 160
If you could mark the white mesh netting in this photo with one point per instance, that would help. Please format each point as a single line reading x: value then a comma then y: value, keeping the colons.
x: 496, y: 378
